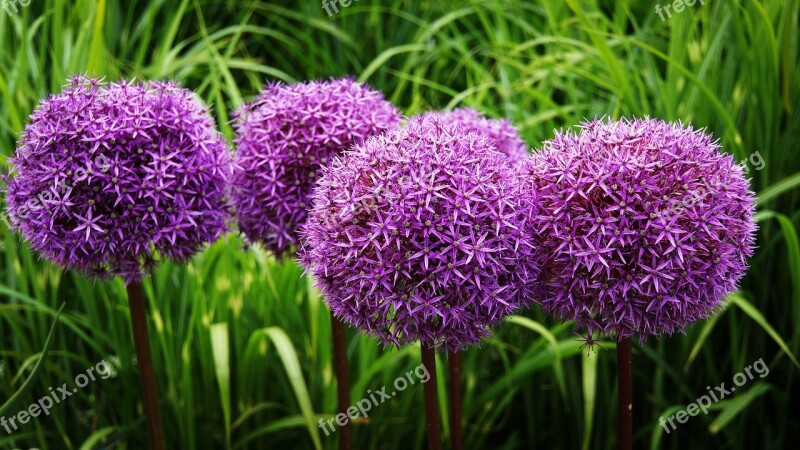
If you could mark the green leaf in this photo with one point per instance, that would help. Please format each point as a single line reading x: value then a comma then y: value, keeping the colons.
x: 12, y: 403
x: 793, y: 251
x: 756, y: 315
x: 111, y: 439
x: 589, y: 382
x: 291, y: 364
x: 551, y: 339
x: 731, y: 408
x: 381, y: 59
x: 97, y: 437
x: 785, y: 185
x: 658, y: 429
x: 282, y: 424
x: 97, y: 53
x: 701, y: 339
x: 220, y: 348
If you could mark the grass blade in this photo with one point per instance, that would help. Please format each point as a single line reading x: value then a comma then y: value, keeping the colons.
x: 18, y: 396
x: 756, y: 315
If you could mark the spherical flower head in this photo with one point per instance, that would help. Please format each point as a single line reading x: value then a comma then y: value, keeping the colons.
x: 283, y: 139
x: 421, y: 234
x: 645, y: 226
x: 498, y: 131
x: 107, y: 177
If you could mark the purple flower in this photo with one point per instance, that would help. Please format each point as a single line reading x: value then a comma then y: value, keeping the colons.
x: 645, y: 226
x: 498, y: 131
x: 108, y: 176
x: 284, y: 138
x: 421, y: 234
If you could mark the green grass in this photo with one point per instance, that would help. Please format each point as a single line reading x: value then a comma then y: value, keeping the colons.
x: 242, y: 344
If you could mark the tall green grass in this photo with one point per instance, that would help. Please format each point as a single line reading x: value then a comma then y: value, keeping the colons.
x: 242, y: 342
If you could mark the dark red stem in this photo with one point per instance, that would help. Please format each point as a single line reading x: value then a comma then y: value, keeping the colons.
x: 431, y: 400
x: 144, y: 360
x: 625, y: 419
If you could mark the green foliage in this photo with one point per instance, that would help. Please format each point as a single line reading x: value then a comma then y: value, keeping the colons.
x: 729, y: 66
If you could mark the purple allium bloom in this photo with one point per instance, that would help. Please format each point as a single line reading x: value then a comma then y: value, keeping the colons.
x: 283, y: 139
x: 499, y: 131
x: 645, y: 226
x: 422, y: 233
x: 108, y: 175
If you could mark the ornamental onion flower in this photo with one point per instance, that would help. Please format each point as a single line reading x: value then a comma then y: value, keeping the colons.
x: 283, y: 139
x: 421, y: 234
x: 645, y: 226
x: 499, y: 131
x: 109, y: 174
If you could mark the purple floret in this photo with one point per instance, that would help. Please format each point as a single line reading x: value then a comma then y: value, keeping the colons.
x: 422, y: 234
x: 645, y: 226
x: 283, y: 139
x: 109, y: 175
x: 499, y: 131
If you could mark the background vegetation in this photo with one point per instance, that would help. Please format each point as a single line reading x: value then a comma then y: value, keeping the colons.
x: 242, y: 343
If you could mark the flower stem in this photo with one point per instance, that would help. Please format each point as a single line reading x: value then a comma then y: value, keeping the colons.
x: 342, y: 379
x: 147, y: 377
x: 454, y: 363
x: 431, y: 399
x: 625, y: 419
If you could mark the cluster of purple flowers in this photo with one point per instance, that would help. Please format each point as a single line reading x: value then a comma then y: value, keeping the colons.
x: 644, y: 226
x: 422, y: 234
x: 106, y: 175
x: 283, y: 139
x: 500, y: 132
x: 420, y: 231
x: 632, y: 227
